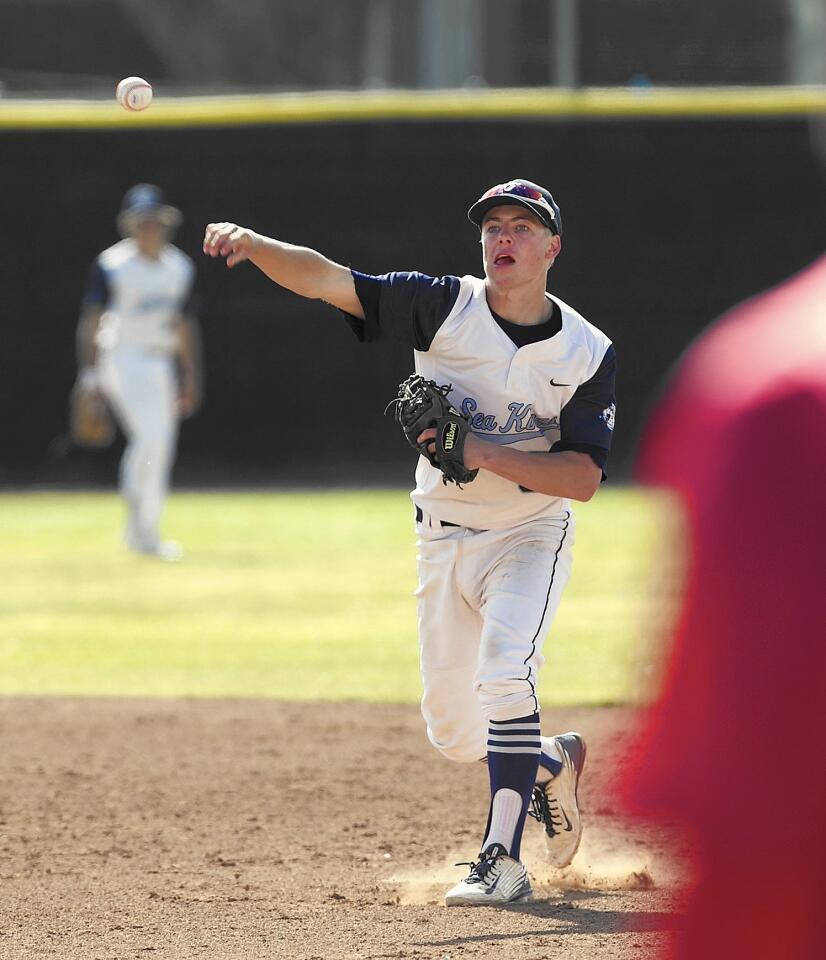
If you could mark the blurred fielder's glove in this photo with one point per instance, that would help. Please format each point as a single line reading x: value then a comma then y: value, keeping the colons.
x: 422, y: 404
x: 90, y: 422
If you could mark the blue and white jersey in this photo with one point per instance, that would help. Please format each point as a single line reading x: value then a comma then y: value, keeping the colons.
x: 142, y: 299
x: 554, y: 393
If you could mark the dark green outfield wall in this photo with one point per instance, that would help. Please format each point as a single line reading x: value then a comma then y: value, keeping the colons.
x: 667, y: 223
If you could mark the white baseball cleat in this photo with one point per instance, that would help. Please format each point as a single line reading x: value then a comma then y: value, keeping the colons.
x: 555, y: 803
x: 168, y: 550
x: 495, y: 880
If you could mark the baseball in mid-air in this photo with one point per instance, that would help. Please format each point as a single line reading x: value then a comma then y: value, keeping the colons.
x: 134, y: 93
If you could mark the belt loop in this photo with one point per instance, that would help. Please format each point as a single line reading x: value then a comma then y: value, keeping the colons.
x: 419, y: 515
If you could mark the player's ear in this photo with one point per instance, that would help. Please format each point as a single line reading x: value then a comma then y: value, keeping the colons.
x: 553, y: 248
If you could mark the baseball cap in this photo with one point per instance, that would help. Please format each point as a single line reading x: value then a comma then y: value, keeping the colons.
x: 522, y: 193
x: 145, y: 201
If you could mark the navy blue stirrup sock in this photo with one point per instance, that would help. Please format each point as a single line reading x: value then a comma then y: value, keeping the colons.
x: 513, y: 760
x: 554, y: 767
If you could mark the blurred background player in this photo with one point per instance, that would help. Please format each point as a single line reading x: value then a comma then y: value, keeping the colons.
x: 731, y: 749
x: 537, y: 381
x: 138, y: 344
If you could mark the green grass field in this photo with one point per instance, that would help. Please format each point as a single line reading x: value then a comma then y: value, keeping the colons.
x: 291, y: 595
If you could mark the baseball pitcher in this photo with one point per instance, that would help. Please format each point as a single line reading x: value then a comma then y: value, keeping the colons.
x: 511, y: 408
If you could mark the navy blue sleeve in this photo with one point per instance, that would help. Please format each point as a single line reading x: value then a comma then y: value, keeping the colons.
x: 409, y: 307
x: 97, y: 293
x: 587, y: 419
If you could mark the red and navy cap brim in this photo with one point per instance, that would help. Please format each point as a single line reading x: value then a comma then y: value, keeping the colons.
x: 548, y: 216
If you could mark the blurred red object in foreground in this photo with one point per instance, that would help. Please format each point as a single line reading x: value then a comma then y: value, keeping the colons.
x: 735, y: 748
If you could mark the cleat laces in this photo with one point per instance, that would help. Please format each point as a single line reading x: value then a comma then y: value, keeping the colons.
x: 545, y: 810
x: 479, y: 869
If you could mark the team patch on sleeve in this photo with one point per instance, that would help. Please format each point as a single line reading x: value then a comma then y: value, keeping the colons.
x: 587, y: 420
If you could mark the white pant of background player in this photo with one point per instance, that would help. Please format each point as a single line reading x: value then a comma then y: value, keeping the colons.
x: 140, y: 385
x: 486, y: 601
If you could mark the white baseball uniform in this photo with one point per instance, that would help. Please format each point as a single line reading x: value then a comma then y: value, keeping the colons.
x: 493, y: 557
x: 143, y: 300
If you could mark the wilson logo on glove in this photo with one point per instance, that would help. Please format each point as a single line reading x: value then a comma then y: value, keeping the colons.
x: 450, y: 435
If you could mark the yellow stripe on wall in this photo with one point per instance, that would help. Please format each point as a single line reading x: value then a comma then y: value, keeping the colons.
x: 366, y: 106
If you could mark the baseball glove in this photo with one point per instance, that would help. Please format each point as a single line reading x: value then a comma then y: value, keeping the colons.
x: 90, y: 422
x: 423, y: 403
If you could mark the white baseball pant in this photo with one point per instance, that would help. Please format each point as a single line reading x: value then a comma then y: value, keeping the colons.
x: 141, y: 387
x: 486, y: 601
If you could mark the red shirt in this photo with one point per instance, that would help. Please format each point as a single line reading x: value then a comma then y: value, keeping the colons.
x: 735, y: 747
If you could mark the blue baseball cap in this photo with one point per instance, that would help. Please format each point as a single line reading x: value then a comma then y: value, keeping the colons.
x: 522, y: 193
x: 145, y: 201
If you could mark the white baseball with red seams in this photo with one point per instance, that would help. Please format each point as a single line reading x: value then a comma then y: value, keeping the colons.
x: 134, y: 93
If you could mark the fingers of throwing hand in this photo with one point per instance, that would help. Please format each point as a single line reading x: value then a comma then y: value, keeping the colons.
x: 211, y: 235
x: 221, y: 239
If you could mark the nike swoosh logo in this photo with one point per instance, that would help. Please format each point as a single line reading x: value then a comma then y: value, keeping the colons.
x: 553, y: 383
x: 569, y: 828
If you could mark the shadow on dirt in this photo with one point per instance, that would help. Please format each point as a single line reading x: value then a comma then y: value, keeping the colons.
x: 573, y: 916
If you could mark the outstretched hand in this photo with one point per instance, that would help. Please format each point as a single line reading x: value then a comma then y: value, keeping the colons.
x: 230, y: 241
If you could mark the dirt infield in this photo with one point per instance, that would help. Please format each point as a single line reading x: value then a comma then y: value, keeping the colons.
x: 247, y: 829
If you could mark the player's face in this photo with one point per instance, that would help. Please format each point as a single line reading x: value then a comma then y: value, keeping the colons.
x: 516, y: 246
x: 151, y: 235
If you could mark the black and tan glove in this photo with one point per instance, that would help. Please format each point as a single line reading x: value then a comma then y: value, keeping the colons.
x: 422, y: 404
